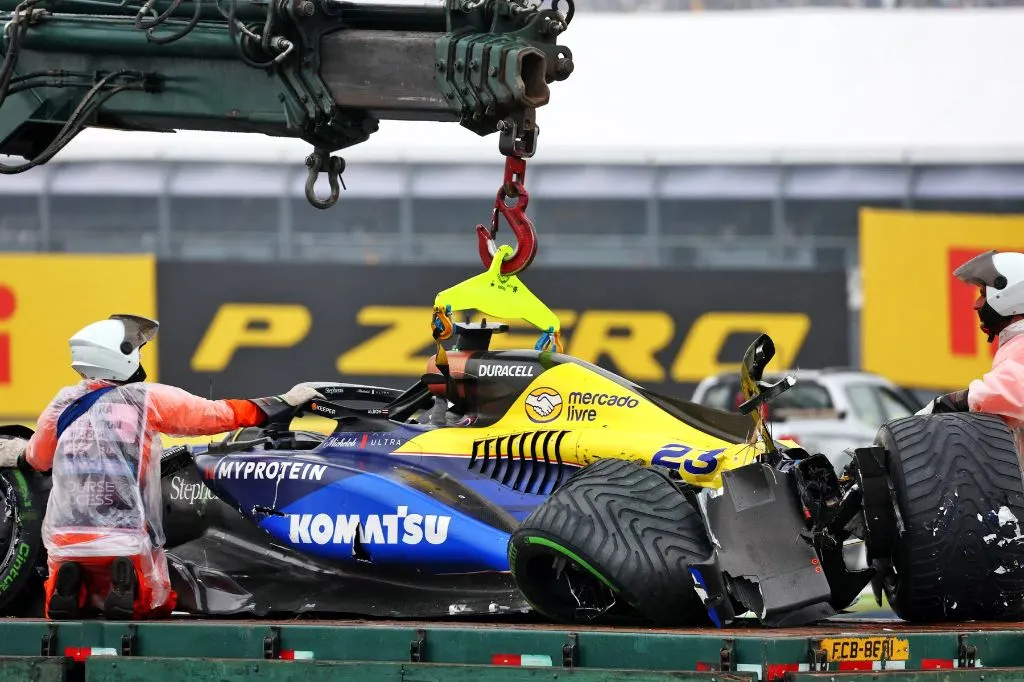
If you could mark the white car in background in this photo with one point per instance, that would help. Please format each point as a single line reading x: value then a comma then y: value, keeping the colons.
x: 827, y: 410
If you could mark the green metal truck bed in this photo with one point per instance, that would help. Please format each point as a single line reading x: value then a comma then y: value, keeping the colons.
x: 453, y: 651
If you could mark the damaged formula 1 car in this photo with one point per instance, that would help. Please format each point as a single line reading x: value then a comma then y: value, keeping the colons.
x: 935, y: 503
x: 405, y: 509
x: 511, y: 480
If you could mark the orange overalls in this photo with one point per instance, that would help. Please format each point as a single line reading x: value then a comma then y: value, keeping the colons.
x: 105, y: 501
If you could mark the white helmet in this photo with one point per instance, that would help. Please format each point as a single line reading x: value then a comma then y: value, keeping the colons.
x: 109, y: 349
x: 1002, y: 275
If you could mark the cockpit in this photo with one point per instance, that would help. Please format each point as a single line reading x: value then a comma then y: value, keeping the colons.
x: 475, y: 387
x: 456, y: 403
x: 445, y: 395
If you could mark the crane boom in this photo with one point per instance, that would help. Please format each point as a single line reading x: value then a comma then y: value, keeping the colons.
x: 324, y: 71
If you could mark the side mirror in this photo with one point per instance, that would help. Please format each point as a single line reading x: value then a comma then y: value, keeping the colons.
x: 757, y: 357
x: 766, y: 393
x: 757, y: 393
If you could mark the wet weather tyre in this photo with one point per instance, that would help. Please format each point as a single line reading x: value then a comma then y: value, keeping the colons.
x: 625, y: 528
x: 23, y: 497
x: 960, y: 490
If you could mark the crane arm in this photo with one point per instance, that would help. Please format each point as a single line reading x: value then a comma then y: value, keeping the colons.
x: 324, y: 71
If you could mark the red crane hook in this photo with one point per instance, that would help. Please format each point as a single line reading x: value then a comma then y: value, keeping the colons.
x: 520, y: 224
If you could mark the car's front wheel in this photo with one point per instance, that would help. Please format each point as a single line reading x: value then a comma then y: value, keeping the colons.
x: 614, y: 543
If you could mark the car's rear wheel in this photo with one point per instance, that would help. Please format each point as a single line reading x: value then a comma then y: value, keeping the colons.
x: 614, y: 543
x: 960, y: 491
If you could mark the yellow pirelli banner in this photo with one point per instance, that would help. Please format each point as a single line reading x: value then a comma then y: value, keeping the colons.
x: 44, y: 299
x: 918, y: 325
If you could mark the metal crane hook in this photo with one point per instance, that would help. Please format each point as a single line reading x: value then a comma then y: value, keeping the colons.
x: 335, y: 167
x: 522, y: 227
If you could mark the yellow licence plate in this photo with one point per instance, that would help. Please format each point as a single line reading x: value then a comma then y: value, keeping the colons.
x: 866, y: 649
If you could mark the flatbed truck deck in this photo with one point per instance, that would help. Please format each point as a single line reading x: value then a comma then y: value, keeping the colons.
x: 456, y: 650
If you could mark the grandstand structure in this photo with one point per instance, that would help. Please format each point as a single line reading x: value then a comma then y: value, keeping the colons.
x: 684, y: 139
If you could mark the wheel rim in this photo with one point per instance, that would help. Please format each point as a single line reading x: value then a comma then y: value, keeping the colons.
x: 8, y: 514
x: 562, y: 584
x: 10, y: 521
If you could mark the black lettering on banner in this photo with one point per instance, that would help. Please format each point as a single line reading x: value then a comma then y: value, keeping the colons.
x: 382, y: 335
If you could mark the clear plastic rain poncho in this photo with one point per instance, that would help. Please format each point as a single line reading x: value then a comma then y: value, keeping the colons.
x: 102, y: 481
x: 105, y: 499
x: 106, y: 496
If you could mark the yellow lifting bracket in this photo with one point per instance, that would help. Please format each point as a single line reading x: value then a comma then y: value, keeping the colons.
x: 501, y: 296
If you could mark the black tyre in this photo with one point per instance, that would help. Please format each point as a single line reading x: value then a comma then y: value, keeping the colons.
x: 616, y: 533
x: 23, y: 497
x: 960, y: 491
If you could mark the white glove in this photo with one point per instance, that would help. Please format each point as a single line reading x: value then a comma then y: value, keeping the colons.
x: 301, y: 394
x: 10, y: 450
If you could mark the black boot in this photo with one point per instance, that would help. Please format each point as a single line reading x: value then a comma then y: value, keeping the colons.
x: 124, y: 586
x: 64, y: 602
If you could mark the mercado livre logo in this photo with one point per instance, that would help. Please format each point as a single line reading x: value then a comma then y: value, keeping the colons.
x: 543, y: 405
